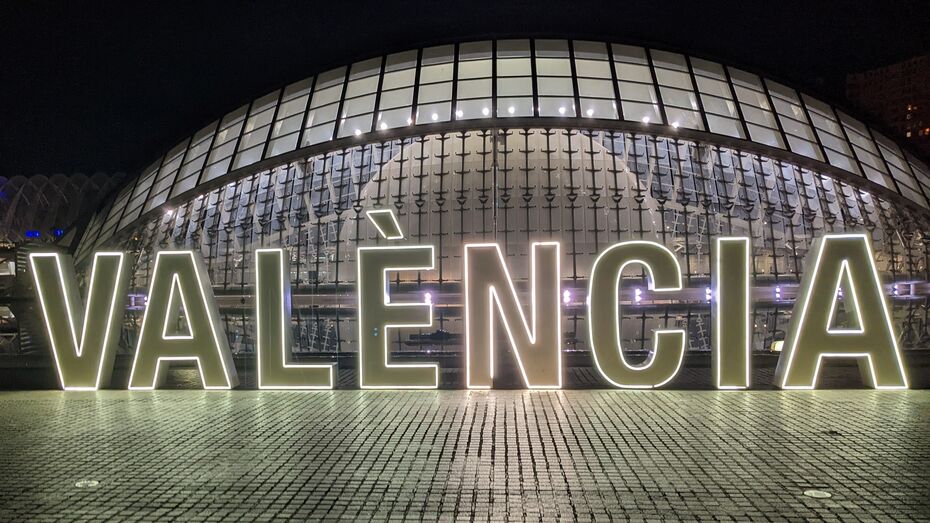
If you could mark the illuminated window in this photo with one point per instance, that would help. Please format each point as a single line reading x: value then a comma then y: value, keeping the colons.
x: 514, y: 79
x: 359, y: 104
x: 434, y: 97
x: 900, y: 170
x: 194, y: 160
x: 717, y: 99
x: 831, y: 135
x: 324, y: 104
x: 224, y: 144
x: 865, y: 150
x: 290, y: 115
x: 677, y: 90
x: 638, y: 97
x: 554, y: 79
x: 595, y: 85
x: 166, y: 174
x: 255, y: 134
x: 793, y: 120
x: 139, y: 194
x: 760, y: 119
x: 473, y: 90
x: 921, y: 172
x: 395, y: 105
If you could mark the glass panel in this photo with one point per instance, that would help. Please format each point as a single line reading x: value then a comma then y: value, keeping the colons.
x: 471, y: 109
x: 684, y: 118
x: 921, y: 172
x: 635, y: 73
x: 717, y: 99
x: 831, y: 135
x: 515, y: 86
x: 514, y: 107
x: 359, y: 104
x: 646, y: 113
x: 435, y: 92
x: 255, y: 134
x: 760, y: 119
x: 554, y: 78
x: 119, y: 205
x: 595, y: 86
x: 287, y: 123
x: 434, y: 112
x: 719, y: 106
x: 637, y: 92
x: 629, y: 54
x: 793, y: 120
x: 440, y: 92
x: 220, y: 157
x: 324, y: 105
x: 396, y: 98
x: 139, y: 194
x: 725, y: 126
x: 166, y: 175
x: 900, y: 170
x: 396, y: 101
x: 555, y: 86
x: 708, y: 69
x: 474, y: 83
x: 514, y: 80
x: 599, y: 108
x: 866, y: 151
x: 193, y: 162
x: 638, y: 97
x: 393, y: 118
x: 554, y: 106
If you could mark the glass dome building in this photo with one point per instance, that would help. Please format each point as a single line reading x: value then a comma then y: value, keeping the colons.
x: 585, y: 142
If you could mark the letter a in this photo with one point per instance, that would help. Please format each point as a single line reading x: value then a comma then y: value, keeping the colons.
x: 489, y: 287
x: 83, y: 362
x: 810, y: 338
x: 180, y: 278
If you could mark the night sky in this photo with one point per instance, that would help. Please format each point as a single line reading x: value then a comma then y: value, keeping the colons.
x: 98, y: 86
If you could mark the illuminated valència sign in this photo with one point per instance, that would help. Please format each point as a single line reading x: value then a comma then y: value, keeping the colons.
x: 84, y: 338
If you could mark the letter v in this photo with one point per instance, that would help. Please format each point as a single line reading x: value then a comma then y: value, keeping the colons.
x: 83, y: 360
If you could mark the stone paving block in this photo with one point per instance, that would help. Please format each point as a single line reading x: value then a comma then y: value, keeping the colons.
x: 450, y: 455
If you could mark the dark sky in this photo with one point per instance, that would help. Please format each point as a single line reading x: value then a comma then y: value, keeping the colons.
x: 98, y: 86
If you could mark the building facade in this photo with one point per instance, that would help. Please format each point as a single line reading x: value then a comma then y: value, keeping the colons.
x: 514, y: 141
x: 897, y: 95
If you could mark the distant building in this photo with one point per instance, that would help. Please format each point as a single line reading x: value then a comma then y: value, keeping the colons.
x: 43, y: 208
x: 897, y: 95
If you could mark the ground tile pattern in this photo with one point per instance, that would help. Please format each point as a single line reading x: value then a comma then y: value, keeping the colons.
x: 454, y: 455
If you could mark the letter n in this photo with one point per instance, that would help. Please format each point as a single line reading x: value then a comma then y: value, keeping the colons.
x: 489, y: 289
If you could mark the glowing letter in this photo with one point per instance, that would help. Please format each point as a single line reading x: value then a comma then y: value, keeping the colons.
x: 85, y: 362
x: 385, y: 221
x: 179, y: 278
x: 731, y: 332
x: 839, y: 258
x: 375, y: 317
x: 488, y: 287
x: 273, y: 326
x: 604, y: 315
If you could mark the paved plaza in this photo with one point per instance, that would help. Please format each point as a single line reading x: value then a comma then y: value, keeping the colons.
x: 465, y: 455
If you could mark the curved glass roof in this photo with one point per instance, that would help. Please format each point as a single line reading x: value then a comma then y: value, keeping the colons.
x: 497, y: 83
